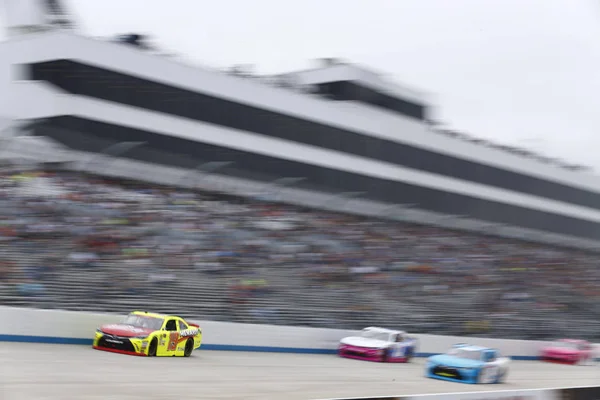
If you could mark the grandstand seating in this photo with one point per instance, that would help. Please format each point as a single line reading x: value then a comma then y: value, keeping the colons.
x: 80, y: 242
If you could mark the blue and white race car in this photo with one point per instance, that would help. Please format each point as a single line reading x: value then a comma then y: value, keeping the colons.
x: 468, y: 364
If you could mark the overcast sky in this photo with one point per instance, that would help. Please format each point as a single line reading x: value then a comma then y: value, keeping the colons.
x: 524, y: 72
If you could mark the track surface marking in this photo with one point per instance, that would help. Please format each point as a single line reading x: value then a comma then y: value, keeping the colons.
x: 59, y: 372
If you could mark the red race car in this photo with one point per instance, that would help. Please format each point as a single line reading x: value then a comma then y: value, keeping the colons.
x: 568, y: 351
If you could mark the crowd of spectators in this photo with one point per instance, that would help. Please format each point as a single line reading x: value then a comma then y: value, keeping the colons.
x: 88, y: 243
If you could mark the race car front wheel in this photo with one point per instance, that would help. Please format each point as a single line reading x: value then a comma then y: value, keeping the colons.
x: 189, y: 346
x: 152, y: 348
x: 503, y: 375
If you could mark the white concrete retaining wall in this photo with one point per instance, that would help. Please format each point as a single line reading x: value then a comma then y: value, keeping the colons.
x: 70, y: 327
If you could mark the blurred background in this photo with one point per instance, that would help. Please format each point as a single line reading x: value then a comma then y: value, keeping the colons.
x: 121, y: 191
x: 85, y: 242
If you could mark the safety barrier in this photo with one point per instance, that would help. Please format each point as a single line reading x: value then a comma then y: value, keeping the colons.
x: 572, y: 393
x: 70, y: 327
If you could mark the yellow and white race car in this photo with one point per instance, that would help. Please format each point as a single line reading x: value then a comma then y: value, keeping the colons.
x: 147, y: 334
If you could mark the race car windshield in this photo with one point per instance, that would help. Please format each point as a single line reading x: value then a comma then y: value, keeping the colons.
x: 376, y: 335
x: 140, y: 321
x: 462, y: 353
x: 564, y: 345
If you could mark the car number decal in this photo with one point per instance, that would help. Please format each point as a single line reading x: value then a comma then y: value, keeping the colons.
x: 173, y: 338
x: 399, y: 351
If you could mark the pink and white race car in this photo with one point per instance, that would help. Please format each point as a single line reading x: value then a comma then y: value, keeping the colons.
x: 379, y: 344
x: 568, y: 351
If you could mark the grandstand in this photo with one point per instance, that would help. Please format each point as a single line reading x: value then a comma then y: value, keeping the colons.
x: 82, y: 242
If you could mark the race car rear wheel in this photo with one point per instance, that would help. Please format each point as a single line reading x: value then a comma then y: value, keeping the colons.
x: 189, y: 347
x: 409, y: 354
x: 583, y: 360
x: 152, y: 348
x: 385, y: 356
x: 503, y: 375
x: 487, y: 375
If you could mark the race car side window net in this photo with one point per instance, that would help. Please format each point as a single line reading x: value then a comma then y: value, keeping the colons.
x: 171, y: 325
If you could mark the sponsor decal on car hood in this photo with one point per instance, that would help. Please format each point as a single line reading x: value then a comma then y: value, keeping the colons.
x: 125, y: 330
x: 363, y: 342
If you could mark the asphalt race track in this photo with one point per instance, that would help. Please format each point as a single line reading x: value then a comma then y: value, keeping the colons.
x: 63, y: 372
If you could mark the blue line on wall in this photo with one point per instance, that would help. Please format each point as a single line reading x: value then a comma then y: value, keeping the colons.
x: 217, y: 347
x: 44, y: 339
